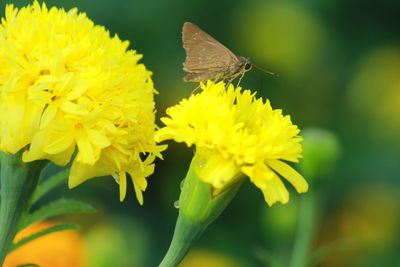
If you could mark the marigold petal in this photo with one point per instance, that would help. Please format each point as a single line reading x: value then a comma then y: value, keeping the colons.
x: 81, y: 172
x: 272, y: 187
x: 289, y: 174
x: 72, y: 108
x: 98, y: 139
x: 275, y: 191
x: 138, y: 193
x: 48, y: 115
x: 57, y: 138
x: 87, y: 154
x: 36, y: 152
x: 122, y: 185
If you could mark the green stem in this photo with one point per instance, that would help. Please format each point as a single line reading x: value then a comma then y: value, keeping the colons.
x: 18, y: 181
x: 306, y: 225
x: 198, y: 208
x: 186, y: 232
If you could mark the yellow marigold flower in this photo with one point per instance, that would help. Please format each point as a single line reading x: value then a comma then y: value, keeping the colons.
x: 237, y: 134
x: 68, y: 87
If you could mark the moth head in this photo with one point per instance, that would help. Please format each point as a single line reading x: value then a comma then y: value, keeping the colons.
x: 247, y: 65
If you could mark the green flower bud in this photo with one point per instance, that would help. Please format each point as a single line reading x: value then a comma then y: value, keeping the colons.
x: 320, y: 150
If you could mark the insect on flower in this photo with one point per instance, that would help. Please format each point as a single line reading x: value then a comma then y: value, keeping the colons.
x: 208, y: 59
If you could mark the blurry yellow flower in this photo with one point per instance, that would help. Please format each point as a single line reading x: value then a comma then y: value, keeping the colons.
x: 236, y: 133
x: 200, y: 258
x: 285, y: 35
x: 368, y: 220
x: 380, y: 86
x: 370, y: 215
x: 67, y: 86
x: 59, y: 249
x: 118, y: 241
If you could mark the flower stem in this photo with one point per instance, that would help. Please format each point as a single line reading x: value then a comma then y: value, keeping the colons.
x: 198, y: 208
x: 186, y: 232
x: 18, y: 181
x: 304, y: 235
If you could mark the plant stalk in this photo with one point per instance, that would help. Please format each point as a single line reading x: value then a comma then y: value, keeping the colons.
x: 18, y: 181
x: 198, y: 208
x: 304, y: 235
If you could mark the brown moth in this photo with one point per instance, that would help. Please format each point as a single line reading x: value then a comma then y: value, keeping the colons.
x: 206, y: 58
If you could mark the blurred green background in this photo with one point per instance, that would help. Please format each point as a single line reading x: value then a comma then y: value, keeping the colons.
x: 339, y: 66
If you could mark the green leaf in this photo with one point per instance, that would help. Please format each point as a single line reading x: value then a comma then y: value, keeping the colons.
x: 323, y: 252
x: 28, y: 265
x: 55, y: 208
x: 49, y: 184
x: 49, y: 230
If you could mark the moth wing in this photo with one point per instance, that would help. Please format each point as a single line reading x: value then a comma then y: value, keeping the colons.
x: 203, y: 52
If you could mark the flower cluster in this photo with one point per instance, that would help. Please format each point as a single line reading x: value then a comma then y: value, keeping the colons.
x: 71, y: 91
x: 237, y: 134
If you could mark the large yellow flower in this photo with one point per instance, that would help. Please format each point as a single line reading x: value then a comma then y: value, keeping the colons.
x: 69, y: 88
x: 237, y: 134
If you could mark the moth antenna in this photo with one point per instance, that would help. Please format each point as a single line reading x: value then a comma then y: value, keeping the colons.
x: 266, y: 71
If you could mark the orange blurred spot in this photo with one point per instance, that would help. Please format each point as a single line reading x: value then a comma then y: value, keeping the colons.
x: 60, y: 249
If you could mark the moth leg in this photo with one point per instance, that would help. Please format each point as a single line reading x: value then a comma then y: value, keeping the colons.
x: 233, y: 78
x: 240, y: 79
x: 229, y: 82
x: 195, y: 89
